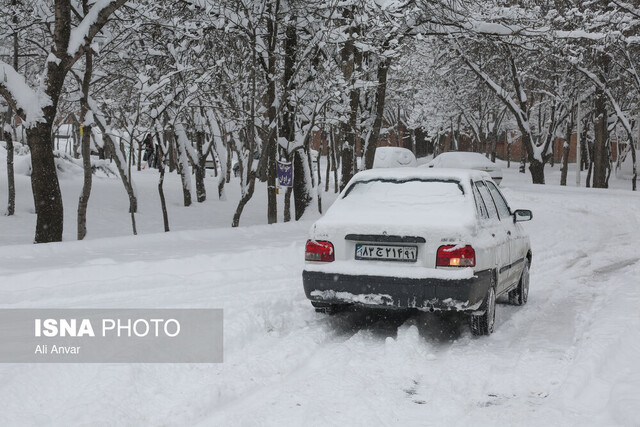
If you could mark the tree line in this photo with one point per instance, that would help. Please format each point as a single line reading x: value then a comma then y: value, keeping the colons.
x: 257, y: 81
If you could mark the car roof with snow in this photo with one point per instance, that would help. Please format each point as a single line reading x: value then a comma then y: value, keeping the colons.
x: 462, y: 159
x: 394, y: 157
x: 445, y: 199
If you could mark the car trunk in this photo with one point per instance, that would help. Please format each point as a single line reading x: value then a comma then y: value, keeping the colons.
x: 404, y: 229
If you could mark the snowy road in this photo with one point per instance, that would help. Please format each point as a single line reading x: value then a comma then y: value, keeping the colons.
x: 569, y: 357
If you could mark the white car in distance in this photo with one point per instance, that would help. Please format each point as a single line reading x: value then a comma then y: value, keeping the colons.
x: 467, y: 160
x: 394, y: 157
x: 417, y: 238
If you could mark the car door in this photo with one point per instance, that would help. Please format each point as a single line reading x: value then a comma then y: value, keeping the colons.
x: 499, y: 236
x: 514, y: 234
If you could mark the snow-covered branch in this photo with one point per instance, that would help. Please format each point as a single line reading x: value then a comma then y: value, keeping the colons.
x: 90, y: 26
x: 513, y: 106
x: 27, y: 102
x: 612, y: 100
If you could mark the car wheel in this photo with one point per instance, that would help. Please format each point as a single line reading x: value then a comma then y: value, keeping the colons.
x: 327, y: 308
x: 520, y: 294
x: 482, y: 324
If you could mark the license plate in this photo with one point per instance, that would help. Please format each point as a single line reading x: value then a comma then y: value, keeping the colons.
x: 386, y: 252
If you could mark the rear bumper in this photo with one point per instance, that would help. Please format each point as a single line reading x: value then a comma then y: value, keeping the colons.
x: 396, y: 292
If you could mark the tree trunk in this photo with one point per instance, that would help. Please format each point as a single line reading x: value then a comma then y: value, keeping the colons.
x: 133, y: 217
x: 314, y: 185
x: 11, y: 185
x: 635, y: 170
x: 317, y: 162
x: 229, y: 164
x: 327, y: 175
x: 85, y: 141
x: 77, y: 137
x: 600, y: 158
x: 334, y: 161
x: 287, y: 129
x: 494, y: 143
x: 160, y: 165
x: 523, y: 156
x: 565, y: 155
x: 287, y: 204
x: 537, y: 171
x: 301, y: 196
x: 83, y: 202
x: 139, y: 156
x: 536, y: 167
x: 272, y: 174
x: 244, y: 199
x: 304, y: 181
x: 350, y: 58
x: 117, y: 154
x: 381, y: 91
x: 247, y: 174
x: 271, y: 142
x: 173, y: 163
x: 349, y: 146
x: 44, y: 183
x: 222, y: 179
x: 183, y: 170
x: 585, y: 146
x: 201, y: 191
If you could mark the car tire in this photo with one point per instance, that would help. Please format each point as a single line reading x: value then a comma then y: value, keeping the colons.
x: 520, y: 294
x: 327, y: 308
x: 482, y: 324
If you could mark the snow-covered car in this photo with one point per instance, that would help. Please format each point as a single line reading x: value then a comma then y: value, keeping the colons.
x: 467, y: 160
x: 429, y: 239
x: 393, y: 157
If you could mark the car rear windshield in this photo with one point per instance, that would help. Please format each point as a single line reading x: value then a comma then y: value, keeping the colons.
x: 411, y: 191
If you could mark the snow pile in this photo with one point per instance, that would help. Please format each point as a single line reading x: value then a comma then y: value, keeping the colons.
x: 67, y: 165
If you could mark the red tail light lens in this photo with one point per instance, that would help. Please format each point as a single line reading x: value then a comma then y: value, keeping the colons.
x: 319, y: 251
x: 456, y: 256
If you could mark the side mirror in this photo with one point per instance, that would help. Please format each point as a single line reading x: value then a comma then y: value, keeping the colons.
x: 522, y: 215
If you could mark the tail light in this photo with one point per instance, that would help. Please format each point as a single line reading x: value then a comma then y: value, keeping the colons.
x: 317, y: 250
x: 456, y: 256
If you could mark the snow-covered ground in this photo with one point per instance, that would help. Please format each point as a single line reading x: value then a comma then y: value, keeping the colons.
x: 569, y: 357
x: 108, y: 212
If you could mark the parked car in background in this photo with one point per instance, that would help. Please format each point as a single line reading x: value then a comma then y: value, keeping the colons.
x: 428, y: 239
x: 393, y: 157
x: 467, y: 160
